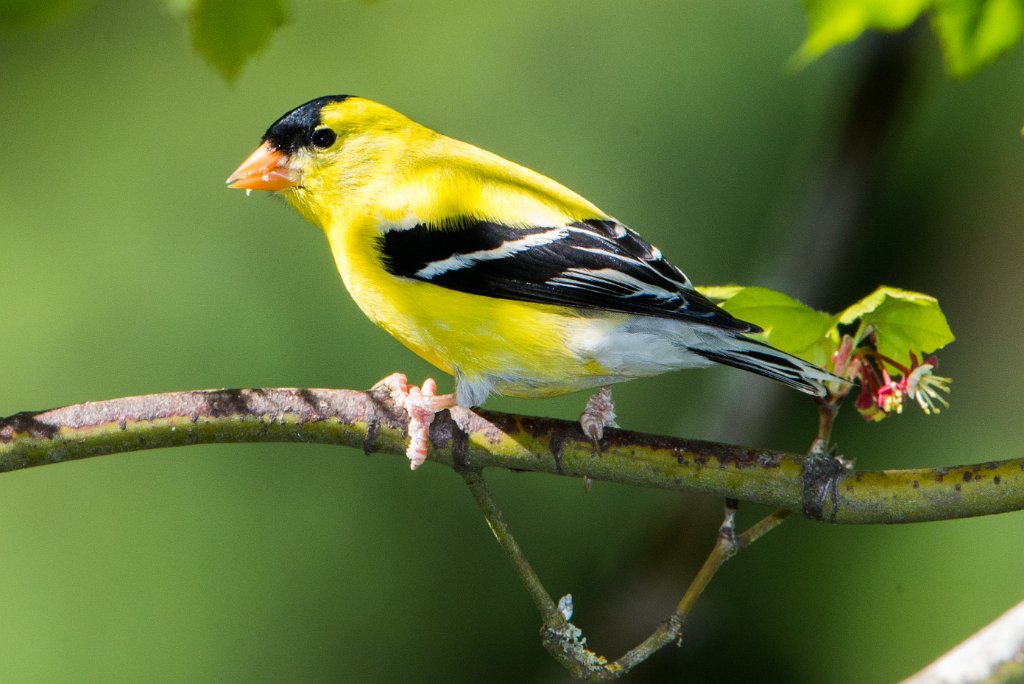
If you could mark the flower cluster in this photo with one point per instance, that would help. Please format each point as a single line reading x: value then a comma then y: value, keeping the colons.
x: 885, y: 385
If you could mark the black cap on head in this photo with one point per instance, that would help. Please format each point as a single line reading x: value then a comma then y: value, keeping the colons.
x: 293, y: 130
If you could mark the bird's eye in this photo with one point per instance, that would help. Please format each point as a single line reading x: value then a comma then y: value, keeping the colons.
x: 323, y: 138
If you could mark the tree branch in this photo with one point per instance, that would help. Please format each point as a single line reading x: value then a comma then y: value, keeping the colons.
x: 995, y: 653
x: 475, y: 440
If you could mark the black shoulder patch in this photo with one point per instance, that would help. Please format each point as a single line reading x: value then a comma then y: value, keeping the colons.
x: 292, y: 130
x: 406, y: 252
x: 596, y: 264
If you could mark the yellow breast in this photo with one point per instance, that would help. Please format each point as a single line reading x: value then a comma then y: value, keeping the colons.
x: 526, y: 349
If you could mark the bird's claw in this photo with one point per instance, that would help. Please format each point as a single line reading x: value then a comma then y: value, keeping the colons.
x: 598, y: 414
x: 421, y: 404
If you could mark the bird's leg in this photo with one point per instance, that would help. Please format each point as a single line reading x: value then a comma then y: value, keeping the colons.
x: 599, y: 414
x: 421, y: 403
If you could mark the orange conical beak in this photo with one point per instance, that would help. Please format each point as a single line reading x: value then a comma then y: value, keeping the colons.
x: 264, y: 169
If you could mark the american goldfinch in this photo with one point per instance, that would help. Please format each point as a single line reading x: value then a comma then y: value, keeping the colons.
x: 500, y: 276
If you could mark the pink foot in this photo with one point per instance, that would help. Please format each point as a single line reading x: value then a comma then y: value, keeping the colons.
x: 421, y: 403
x: 599, y: 414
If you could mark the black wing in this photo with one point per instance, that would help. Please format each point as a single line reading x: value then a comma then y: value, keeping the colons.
x: 597, y: 264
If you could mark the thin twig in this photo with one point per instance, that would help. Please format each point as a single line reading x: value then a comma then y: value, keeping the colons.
x: 499, y: 528
x: 566, y: 642
x: 727, y: 545
x: 827, y: 410
x: 762, y: 527
x: 562, y: 639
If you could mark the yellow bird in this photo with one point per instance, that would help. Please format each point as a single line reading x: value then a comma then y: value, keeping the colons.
x: 500, y: 276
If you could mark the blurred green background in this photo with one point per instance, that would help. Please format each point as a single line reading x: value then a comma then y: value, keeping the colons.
x: 127, y: 268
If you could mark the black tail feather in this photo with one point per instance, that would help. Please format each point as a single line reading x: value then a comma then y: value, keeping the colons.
x: 763, y: 359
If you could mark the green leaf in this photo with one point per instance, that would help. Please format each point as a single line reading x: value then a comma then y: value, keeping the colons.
x: 971, y: 32
x: 228, y: 32
x: 974, y: 32
x: 835, y: 22
x: 903, y: 322
x: 789, y: 325
x: 720, y: 294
